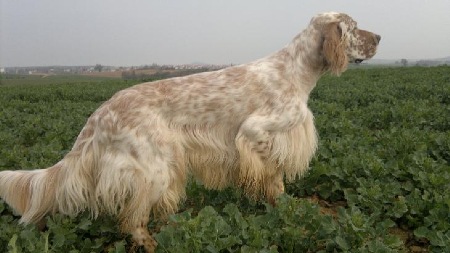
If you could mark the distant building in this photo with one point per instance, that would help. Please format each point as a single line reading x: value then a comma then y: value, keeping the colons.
x: 2, y: 70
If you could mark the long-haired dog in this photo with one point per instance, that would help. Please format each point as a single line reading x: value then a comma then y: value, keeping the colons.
x: 247, y: 126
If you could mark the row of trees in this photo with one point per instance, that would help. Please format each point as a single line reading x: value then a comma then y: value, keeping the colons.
x: 132, y: 75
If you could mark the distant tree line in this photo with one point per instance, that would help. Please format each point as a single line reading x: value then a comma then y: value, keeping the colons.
x: 98, y: 67
x: 160, y: 67
x: 423, y: 63
x: 132, y: 75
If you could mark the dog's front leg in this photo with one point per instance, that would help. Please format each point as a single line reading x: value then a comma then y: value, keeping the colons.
x: 259, y: 139
x: 260, y: 173
x: 274, y: 189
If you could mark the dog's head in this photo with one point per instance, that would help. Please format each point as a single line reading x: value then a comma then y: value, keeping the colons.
x: 343, y: 41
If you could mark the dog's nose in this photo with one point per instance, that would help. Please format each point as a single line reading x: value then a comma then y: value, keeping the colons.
x: 378, y: 38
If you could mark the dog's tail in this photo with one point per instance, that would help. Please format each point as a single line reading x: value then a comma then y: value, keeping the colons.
x: 66, y: 187
x: 30, y: 193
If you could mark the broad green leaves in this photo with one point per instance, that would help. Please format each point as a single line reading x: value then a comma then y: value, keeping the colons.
x: 379, y: 182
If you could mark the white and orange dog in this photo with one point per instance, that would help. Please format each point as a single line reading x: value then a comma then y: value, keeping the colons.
x: 247, y: 126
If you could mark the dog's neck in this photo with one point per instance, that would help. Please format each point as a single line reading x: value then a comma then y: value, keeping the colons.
x: 303, y: 58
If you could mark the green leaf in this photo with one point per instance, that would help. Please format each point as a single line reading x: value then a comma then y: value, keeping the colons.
x: 84, y: 224
x: 12, y: 244
x: 342, y: 243
x: 119, y: 247
x: 422, y: 232
x: 59, y: 240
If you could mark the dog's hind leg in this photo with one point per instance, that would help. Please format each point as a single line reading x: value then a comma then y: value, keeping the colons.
x: 135, y: 215
x: 157, y: 188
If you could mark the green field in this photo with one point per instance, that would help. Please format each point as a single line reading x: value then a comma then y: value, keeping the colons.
x: 380, y: 181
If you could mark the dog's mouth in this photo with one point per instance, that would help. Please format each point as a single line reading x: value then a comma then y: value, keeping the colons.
x: 359, y: 60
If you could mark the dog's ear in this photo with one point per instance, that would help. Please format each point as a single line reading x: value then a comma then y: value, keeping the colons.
x: 334, y: 49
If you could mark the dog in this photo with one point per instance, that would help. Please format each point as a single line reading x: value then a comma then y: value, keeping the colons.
x: 246, y: 126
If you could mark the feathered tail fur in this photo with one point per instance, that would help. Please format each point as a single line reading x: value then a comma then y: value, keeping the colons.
x: 30, y: 193
x: 103, y: 181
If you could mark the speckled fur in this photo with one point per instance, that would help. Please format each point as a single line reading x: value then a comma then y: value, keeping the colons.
x: 247, y: 126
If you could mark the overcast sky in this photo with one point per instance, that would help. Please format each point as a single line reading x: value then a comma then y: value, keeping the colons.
x: 138, y: 32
